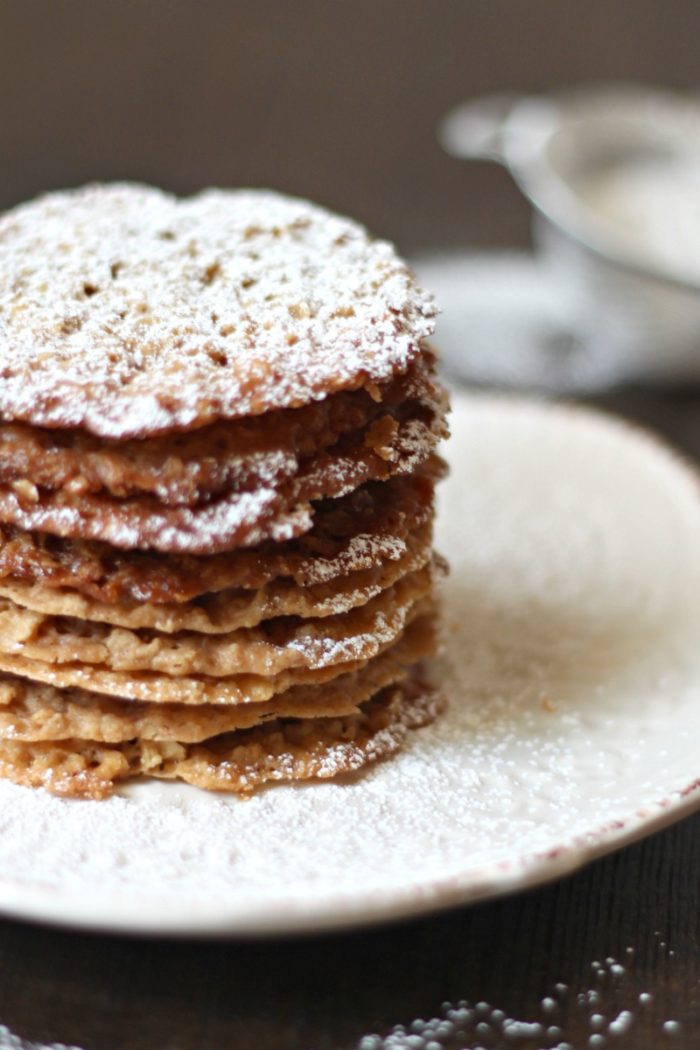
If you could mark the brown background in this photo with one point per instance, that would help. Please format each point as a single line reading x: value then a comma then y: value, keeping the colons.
x: 339, y: 101
x: 332, y: 99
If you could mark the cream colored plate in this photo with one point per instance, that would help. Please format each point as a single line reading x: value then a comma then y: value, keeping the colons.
x: 573, y: 611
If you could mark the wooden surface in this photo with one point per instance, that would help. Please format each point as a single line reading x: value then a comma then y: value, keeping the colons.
x: 638, y: 909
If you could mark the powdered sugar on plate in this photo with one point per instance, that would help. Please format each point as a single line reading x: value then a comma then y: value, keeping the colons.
x: 572, y: 616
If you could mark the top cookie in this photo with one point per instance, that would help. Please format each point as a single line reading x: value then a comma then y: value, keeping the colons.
x: 129, y: 312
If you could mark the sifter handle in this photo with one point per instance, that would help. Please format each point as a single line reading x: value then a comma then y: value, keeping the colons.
x: 474, y: 130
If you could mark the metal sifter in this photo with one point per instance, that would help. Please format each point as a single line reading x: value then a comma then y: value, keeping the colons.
x: 613, y: 175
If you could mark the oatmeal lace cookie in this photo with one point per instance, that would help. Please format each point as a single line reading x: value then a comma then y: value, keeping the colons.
x: 219, y: 420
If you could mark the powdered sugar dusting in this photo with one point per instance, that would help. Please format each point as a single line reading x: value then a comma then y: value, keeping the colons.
x: 380, y: 627
x: 573, y: 720
x: 362, y: 552
x: 242, y: 519
x: 127, y: 311
x: 203, y: 529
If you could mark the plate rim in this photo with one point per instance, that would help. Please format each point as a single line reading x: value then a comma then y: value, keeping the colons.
x: 421, y: 899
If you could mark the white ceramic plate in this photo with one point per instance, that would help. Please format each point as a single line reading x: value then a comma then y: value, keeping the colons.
x: 573, y: 614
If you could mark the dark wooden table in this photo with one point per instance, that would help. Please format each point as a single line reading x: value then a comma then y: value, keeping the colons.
x: 626, y: 927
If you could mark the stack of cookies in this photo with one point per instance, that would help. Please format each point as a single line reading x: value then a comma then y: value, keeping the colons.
x: 218, y: 421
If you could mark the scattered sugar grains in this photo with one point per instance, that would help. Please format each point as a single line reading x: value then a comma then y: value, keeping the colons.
x: 464, y: 1025
x: 10, y: 1041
